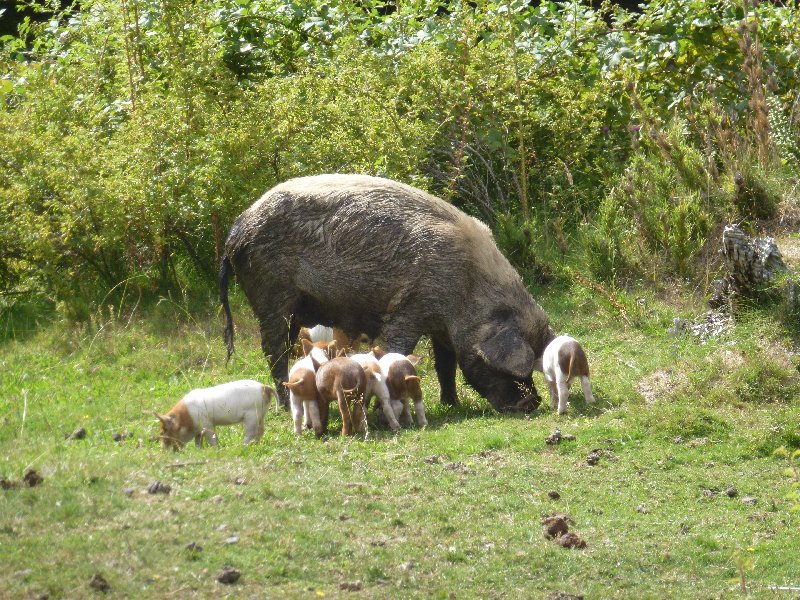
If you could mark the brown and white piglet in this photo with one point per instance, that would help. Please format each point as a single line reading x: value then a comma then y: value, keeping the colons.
x: 376, y: 386
x: 403, y: 383
x: 302, y: 383
x: 320, y: 333
x: 199, y: 411
x: 562, y: 361
x: 341, y: 380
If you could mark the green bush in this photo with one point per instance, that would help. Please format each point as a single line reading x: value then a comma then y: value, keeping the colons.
x: 132, y: 134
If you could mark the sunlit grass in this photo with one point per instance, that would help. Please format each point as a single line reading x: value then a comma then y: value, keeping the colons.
x: 452, y: 510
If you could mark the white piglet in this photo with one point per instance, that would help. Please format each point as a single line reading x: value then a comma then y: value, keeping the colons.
x: 562, y: 361
x: 199, y: 411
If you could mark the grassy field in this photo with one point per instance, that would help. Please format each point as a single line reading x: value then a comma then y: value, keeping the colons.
x: 686, y: 500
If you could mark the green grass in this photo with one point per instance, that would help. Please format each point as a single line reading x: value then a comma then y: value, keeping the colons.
x: 452, y: 511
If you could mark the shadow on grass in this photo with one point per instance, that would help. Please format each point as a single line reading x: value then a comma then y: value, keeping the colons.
x: 441, y: 415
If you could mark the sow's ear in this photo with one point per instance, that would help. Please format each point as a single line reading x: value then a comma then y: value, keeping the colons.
x: 504, y: 349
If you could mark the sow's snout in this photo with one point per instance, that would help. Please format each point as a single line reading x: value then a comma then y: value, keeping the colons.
x: 504, y: 392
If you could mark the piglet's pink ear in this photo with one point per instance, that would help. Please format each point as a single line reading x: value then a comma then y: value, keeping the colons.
x: 413, y: 359
x: 165, y: 421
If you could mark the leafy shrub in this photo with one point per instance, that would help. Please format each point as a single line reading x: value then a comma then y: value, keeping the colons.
x: 752, y: 195
x: 608, y: 249
x: 661, y: 198
x: 132, y: 133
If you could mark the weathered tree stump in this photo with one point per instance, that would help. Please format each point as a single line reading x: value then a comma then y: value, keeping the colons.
x: 756, y: 269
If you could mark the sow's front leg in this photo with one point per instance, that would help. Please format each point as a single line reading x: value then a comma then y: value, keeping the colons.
x: 445, y: 364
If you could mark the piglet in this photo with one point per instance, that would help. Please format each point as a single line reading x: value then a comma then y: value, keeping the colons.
x: 377, y: 386
x: 302, y: 383
x: 562, y: 361
x: 341, y: 380
x: 403, y: 383
x: 199, y: 411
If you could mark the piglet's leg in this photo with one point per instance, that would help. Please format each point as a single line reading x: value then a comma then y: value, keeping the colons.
x: 553, y: 394
x: 388, y: 412
x: 317, y: 421
x: 344, y: 410
x: 419, y: 412
x: 297, y: 412
x: 416, y: 395
x: 587, y: 390
x: 397, y: 408
x: 211, y: 436
x: 253, y: 431
x: 198, y: 440
x: 406, y: 412
x: 563, y: 396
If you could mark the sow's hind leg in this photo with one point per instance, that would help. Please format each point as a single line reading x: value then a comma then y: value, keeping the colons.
x: 276, y: 333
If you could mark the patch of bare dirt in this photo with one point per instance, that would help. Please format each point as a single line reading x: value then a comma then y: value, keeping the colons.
x: 790, y: 248
x: 594, y: 457
x: 556, y: 528
x: 79, y: 434
x: 778, y: 353
x: 731, y: 359
x: 8, y: 484
x: 563, y: 596
x: 459, y: 467
x: 556, y: 437
x: 32, y: 478
x: 660, y: 384
x: 351, y: 586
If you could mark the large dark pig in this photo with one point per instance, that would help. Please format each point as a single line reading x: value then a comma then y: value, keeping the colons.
x: 370, y: 255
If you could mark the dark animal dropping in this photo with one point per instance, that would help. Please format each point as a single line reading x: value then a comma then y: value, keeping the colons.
x: 32, y: 478
x: 229, y: 575
x: 157, y: 487
x: 99, y: 583
x: 78, y: 434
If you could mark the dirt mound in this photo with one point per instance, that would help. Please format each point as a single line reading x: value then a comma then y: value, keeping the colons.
x: 660, y: 384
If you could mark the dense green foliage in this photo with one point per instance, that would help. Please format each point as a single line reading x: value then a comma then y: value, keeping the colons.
x: 132, y: 132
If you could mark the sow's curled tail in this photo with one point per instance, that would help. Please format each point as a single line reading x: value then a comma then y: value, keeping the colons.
x: 225, y: 269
